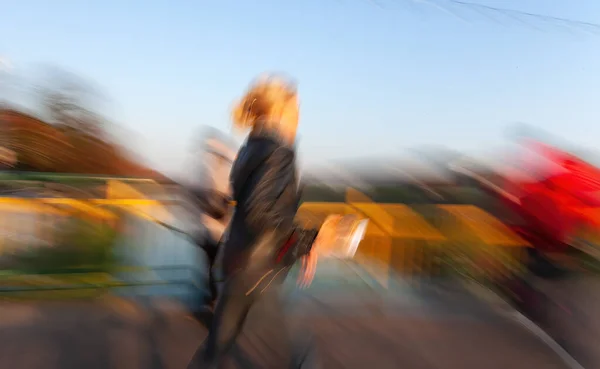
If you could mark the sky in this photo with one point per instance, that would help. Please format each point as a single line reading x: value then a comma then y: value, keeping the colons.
x: 375, y: 77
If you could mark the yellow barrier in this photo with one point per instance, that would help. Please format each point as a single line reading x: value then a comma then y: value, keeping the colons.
x: 11, y: 205
x: 397, y: 238
x: 91, y: 207
x: 118, y: 190
x: 483, y: 225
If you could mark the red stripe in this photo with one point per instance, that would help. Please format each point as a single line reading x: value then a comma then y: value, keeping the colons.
x: 286, y: 247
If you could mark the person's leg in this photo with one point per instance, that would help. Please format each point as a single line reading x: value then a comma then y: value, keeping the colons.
x: 542, y: 266
x: 531, y: 299
x: 208, y: 248
x: 266, y: 341
x: 517, y: 287
x: 255, y: 292
x: 230, y: 314
x: 211, y: 254
x: 203, y: 302
x: 552, y: 309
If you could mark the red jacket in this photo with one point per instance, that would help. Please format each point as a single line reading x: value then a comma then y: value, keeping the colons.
x: 549, y: 207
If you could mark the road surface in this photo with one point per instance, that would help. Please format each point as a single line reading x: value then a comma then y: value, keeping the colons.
x: 412, y: 325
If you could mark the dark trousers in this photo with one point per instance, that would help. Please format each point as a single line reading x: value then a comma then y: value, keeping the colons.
x: 525, y: 292
x: 249, y: 302
x: 210, y: 248
x: 211, y: 254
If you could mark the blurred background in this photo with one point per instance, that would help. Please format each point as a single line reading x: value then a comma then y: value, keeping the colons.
x: 463, y: 131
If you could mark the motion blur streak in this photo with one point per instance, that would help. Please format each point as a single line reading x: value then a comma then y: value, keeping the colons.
x: 451, y: 245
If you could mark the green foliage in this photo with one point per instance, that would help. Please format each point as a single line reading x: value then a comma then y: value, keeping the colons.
x: 405, y: 194
x: 83, y: 246
x: 323, y: 194
x: 400, y: 194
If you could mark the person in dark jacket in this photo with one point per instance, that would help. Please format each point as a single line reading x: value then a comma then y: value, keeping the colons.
x: 262, y: 241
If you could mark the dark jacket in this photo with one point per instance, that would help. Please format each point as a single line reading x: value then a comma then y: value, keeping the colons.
x: 265, y: 188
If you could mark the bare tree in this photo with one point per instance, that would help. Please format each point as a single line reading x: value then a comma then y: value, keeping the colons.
x: 70, y: 104
x: 69, y: 101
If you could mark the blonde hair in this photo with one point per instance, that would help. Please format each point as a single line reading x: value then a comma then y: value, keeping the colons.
x: 270, y: 100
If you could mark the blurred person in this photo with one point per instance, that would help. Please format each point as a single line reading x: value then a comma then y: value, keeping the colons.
x: 262, y: 241
x: 530, y: 228
x: 214, y: 194
x: 544, y: 211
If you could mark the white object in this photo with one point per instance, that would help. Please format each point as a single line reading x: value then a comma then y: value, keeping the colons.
x: 349, y: 233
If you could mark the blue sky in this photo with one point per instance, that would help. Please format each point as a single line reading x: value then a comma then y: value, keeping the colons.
x: 373, y: 80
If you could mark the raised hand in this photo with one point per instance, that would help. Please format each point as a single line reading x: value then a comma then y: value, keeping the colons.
x: 326, y: 237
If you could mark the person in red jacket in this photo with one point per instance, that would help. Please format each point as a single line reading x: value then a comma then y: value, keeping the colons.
x: 545, y: 212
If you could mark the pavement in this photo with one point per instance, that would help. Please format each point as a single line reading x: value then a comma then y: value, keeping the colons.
x: 574, y: 303
x: 413, y: 324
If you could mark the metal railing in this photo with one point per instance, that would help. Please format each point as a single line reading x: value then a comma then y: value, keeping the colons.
x: 93, y: 245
